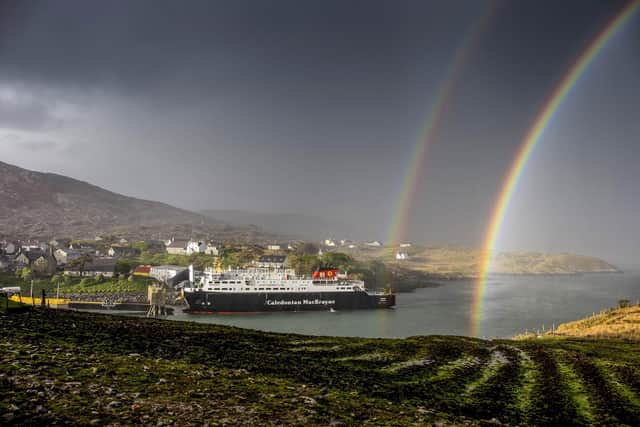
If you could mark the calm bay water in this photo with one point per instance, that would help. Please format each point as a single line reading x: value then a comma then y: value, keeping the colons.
x: 511, y: 305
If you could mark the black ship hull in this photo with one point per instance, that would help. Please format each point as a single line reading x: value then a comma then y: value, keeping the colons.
x: 218, y: 302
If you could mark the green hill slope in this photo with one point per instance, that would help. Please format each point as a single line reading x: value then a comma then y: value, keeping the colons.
x: 65, y: 367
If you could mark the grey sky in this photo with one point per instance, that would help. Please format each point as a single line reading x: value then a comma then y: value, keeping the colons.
x: 316, y: 106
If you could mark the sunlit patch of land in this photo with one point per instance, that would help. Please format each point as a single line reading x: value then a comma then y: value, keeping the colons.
x: 621, y: 322
x: 457, y: 261
x: 61, y: 367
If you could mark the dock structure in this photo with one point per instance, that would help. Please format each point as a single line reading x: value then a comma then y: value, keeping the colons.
x: 157, y: 296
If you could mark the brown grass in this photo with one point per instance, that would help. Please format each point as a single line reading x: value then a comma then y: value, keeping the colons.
x: 613, y: 323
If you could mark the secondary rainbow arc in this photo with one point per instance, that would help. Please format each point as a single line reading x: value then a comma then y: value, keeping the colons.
x: 415, y: 171
x: 532, y: 137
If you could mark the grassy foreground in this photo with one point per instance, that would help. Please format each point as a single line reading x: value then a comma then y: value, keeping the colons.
x: 59, y: 367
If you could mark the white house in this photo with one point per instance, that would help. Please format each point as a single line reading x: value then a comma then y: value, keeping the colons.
x: 64, y: 256
x: 375, y: 243
x: 405, y: 245
x: 212, y: 249
x: 329, y: 242
x: 402, y: 256
x: 196, y: 247
x: 274, y: 247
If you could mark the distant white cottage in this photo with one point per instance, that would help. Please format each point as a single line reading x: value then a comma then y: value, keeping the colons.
x: 196, y: 247
x: 212, y: 249
x: 402, y: 256
x: 329, y: 242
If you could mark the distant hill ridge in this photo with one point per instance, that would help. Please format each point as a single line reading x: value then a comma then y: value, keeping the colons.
x: 37, y: 204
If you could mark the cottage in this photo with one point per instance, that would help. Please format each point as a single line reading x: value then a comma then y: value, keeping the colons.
x: 123, y: 252
x: 41, y: 262
x: 375, y: 244
x: 177, y: 247
x: 195, y: 247
x: 11, y: 248
x: 272, y: 261
x: 63, y: 256
x: 85, y: 247
x: 405, y: 245
x: 400, y: 256
x: 212, y: 249
x: 274, y: 247
x: 26, y: 258
x: 98, y: 266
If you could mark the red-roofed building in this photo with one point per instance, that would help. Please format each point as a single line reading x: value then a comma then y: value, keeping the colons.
x: 142, y: 270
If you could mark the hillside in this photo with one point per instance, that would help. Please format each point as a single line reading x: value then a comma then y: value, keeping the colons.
x: 455, y: 261
x: 621, y: 322
x: 36, y: 204
x: 60, y: 367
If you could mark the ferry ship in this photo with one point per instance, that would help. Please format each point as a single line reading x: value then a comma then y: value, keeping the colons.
x: 261, y: 289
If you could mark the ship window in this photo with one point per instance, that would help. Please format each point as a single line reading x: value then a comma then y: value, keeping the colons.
x: 247, y: 289
x: 261, y: 289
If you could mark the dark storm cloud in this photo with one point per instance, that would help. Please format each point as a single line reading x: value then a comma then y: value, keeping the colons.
x: 306, y: 105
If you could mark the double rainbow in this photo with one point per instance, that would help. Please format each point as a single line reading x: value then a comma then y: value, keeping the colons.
x: 540, y: 124
x: 415, y: 171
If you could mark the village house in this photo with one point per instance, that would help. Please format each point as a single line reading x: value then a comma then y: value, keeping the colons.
x: 11, y: 248
x: 274, y: 247
x: 142, y: 270
x: 401, y: 256
x: 86, y: 247
x: 375, y: 244
x: 329, y: 243
x: 177, y: 247
x: 64, y: 256
x: 195, y: 247
x: 41, y: 262
x: 98, y: 266
x: 272, y: 261
x: 212, y: 249
x: 405, y: 245
x: 117, y: 251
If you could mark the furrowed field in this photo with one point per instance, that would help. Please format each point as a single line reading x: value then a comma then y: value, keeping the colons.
x: 67, y: 367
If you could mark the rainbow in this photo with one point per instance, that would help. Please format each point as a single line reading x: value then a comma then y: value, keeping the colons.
x: 534, y: 134
x: 415, y: 171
